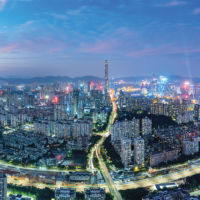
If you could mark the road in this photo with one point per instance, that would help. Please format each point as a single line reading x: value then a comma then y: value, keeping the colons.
x: 161, y: 179
x: 109, y: 182
x: 79, y: 188
x: 124, y: 186
x: 196, y: 193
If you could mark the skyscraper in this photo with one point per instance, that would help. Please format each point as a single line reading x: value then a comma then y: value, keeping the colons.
x: 154, y: 77
x: 76, y: 100
x: 106, y: 82
x: 42, y: 92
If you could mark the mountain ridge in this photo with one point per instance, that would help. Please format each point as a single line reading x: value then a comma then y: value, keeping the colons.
x: 51, y: 79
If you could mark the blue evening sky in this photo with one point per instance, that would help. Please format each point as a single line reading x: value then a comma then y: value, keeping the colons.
x: 74, y: 37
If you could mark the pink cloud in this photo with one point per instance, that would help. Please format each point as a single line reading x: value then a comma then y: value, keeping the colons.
x: 196, y: 11
x: 173, y: 3
x: 7, y: 49
x: 52, y: 50
x: 98, y: 47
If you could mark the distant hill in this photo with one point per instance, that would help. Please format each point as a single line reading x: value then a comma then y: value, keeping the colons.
x: 23, y: 77
x: 51, y: 79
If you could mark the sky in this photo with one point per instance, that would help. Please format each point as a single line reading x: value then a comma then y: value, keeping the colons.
x: 74, y: 37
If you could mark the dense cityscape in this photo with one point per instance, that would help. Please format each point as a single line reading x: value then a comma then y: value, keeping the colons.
x: 99, y: 100
x: 96, y: 139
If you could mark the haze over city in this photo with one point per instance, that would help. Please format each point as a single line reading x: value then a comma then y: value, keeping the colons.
x: 73, y: 38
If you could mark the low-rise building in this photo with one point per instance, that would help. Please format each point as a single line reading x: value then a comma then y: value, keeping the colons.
x: 95, y: 193
x: 65, y: 194
x: 179, y: 194
x: 79, y: 176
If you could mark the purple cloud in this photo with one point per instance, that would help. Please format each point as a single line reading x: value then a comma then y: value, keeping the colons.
x: 57, y: 16
x: 173, y: 3
x: 98, y: 47
x: 196, y: 11
x: 27, y: 38
x: 2, y: 4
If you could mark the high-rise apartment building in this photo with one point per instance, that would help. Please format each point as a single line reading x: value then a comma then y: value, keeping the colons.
x: 191, y: 147
x: 14, y: 120
x: 80, y: 113
x: 3, y: 119
x: 139, y: 150
x: 126, y: 151
x: 129, y: 129
x: 135, y: 127
x: 106, y: 81
x: 42, y: 128
x: 3, y: 186
x: 60, y: 112
x: 146, y: 126
x: 65, y: 194
x: 82, y: 142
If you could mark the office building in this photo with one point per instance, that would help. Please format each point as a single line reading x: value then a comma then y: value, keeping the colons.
x: 76, y: 100
x: 42, y: 92
x: 31, y: 100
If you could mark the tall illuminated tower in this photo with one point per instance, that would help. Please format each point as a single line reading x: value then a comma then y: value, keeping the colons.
x: 106, y: 82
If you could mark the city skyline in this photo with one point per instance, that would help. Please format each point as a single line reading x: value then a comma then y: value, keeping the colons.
x: 73, y: 39
x: 99, y: 99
